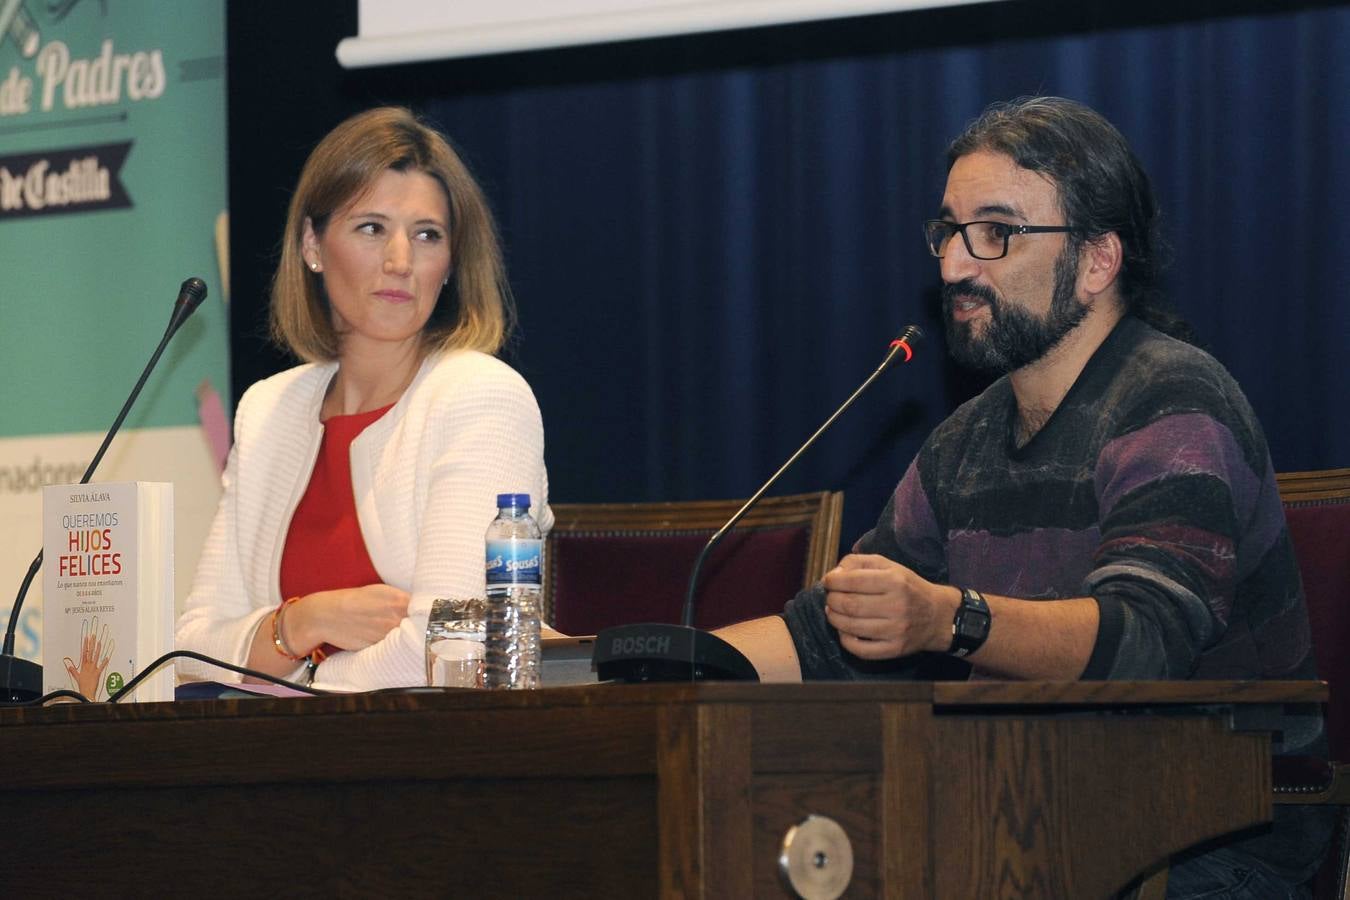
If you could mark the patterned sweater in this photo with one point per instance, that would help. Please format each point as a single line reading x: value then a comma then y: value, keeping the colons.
x: 1149, y: 489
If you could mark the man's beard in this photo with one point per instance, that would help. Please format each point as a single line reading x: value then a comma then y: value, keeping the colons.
x: 1013, y: 337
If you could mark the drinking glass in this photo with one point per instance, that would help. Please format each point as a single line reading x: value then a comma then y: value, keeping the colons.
x: 455, y: 642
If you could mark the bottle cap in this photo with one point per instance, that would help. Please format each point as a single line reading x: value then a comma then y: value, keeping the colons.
x: 510, y: 501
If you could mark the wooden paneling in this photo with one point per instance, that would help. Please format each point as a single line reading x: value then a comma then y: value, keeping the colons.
x: 1077, y: 806
x: 945, y: 791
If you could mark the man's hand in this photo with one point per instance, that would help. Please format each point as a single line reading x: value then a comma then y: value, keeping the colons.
x: 883, y: 610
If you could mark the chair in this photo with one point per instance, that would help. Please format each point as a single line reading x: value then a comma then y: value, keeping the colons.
x: 619, y: 563
x: 1317, y: 507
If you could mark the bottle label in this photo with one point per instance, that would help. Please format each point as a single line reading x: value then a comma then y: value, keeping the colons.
x: 517, y: 561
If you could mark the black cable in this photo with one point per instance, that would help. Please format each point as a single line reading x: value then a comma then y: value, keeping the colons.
x: 200, y: 657
x: 150, y: 670
x: 54, y: 695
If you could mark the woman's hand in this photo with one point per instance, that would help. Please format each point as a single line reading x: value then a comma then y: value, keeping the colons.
x: 350, y: 618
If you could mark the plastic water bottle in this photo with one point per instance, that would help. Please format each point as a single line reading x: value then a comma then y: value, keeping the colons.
x: 515, y: 554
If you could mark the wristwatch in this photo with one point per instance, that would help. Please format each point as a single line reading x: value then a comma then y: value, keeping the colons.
x: 970, y: 627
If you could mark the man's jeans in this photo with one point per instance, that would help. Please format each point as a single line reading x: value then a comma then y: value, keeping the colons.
x: 1226, y: 875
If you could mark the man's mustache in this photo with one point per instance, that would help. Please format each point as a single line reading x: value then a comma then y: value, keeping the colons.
x: 967, y: 287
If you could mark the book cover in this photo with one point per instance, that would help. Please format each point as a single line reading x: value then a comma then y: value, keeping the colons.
x: 107, y: 587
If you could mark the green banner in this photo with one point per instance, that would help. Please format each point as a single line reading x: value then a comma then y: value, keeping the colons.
x: 112, y: 192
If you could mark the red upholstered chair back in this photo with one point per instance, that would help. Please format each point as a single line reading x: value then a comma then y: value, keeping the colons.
x: 620, y: 563
x: 1317, y: 507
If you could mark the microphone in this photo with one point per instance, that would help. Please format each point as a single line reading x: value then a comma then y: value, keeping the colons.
x: 21, y: 679
x: 662, y: 652
x: 191, y: 293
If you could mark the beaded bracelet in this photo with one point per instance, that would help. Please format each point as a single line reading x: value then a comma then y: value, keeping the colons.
x: 277, y: 640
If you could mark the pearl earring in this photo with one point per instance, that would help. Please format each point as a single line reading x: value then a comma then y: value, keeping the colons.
x: 314, y: 266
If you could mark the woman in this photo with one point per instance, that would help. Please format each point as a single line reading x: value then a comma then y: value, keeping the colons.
x: 360, y: 484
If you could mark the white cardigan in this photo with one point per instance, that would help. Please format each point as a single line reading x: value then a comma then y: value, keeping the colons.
x: 425, y: 478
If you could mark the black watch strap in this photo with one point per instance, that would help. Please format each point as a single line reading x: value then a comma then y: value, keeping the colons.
x: 970, y: 627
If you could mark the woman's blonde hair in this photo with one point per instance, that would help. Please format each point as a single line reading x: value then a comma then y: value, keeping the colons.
x: 474, y: 310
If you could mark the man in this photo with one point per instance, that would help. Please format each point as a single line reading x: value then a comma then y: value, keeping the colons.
x: 1105, y: 510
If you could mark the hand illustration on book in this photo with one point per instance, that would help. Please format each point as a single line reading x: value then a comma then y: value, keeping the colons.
x: 96, y: 649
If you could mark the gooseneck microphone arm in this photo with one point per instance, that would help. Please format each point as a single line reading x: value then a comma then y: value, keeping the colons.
x: 15, y: 674
x: 900, y: 345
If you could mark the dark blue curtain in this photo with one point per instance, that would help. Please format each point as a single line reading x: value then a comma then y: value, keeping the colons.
x: 712, y: 238
x: 707, y: 261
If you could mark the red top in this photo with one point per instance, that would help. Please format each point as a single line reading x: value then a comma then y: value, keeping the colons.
x: 324, y: 547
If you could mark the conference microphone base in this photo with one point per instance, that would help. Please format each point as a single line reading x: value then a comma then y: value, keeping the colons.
x: 660, y: 652
x: 20, y: 680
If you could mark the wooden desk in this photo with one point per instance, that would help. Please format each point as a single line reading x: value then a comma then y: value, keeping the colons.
x: 948, y: 790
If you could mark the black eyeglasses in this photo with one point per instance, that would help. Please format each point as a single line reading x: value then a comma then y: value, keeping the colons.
x: 984, y: 240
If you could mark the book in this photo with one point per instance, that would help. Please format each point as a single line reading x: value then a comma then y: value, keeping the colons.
x: 107, y: 587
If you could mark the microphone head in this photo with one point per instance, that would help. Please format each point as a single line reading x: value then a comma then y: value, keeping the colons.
x: 191, y: 294
x: 905, y: 342
x: 911, y: 335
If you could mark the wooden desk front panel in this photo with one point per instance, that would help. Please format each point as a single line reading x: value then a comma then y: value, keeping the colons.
x: 1003, y: 803
x: 476, y: 838
x: 1074, y: 806
x: 673, y: 790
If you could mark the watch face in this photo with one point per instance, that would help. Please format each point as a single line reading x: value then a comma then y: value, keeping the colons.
x: 971, y: 626
x: 975, y: 625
